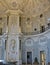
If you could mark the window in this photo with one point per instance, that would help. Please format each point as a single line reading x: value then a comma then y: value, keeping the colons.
x: 19, y: 21
x: 28, y: 19
x: 42, y: 29
x: 5, y: 44
x: 35, y: 29
x: 41, y: 15
x: 0, y: 18
x: 0, y: 31
x: 48, y: 25
x: 7, y: 19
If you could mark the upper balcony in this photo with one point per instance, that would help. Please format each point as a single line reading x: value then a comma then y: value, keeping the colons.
x: 42, y: 30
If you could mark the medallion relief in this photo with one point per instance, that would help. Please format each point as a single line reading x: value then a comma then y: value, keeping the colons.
x: 29, y: 42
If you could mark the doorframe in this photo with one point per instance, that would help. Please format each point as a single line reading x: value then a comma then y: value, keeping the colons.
x: 43, y: 52
x: 43, y: 48
x: 32, y: 56
x: 45, y: 55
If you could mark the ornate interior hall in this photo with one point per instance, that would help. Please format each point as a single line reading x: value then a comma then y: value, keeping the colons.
x: 25, y: 32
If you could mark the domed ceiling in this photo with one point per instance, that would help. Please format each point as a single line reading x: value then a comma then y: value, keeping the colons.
x: 28, y: 7
x: 2, y: 7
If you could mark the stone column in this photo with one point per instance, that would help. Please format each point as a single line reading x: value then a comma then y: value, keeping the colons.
x: 12, y: 48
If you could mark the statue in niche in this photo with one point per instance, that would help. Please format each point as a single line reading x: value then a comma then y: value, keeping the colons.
x: 12, y: 45
x: 28, y: 22
x: 29, y: 25
x: 12, y: 51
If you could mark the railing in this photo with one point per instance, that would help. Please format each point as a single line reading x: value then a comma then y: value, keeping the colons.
x: 35, y: 32
x: 28, y: 33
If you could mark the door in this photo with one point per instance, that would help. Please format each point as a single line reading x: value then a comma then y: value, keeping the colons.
x: 42, y: 58
x: 29, y: 57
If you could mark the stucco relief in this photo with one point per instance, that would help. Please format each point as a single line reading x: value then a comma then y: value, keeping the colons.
x: 13, y: 20
x: 12, y: 51
x: 28, y: 25
x: 13, y: 46
x: 29, y: 42
x: 33, y: 7
x: 43, y: 40
x: 13, y: 24
x: 29, y: 7
x: 16, y: 4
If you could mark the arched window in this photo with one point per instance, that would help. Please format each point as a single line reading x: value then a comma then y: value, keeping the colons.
x: 48, y: 25
x: 0, y: 31
x: 42, y: 28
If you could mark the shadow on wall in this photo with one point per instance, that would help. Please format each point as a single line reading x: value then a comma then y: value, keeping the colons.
x: 36, y: 61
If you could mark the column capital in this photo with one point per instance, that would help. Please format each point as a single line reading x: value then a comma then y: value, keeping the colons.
x: 14, y: 12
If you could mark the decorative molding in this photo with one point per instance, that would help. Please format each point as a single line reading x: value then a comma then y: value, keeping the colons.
x: 12, y: 45
x: 12, y: 50
x: 28, y: 42
x: 43, y: 40
x: 14, y: 12
x: 30, y: 8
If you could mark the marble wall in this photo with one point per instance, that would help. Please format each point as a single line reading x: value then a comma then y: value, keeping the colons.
x: 35, y: 44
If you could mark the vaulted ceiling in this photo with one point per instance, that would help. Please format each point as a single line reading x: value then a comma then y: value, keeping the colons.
x: 28, y: 7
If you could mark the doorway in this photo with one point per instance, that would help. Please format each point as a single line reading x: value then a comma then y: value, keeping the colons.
x: 29, y: 57
x: 42, y: 58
